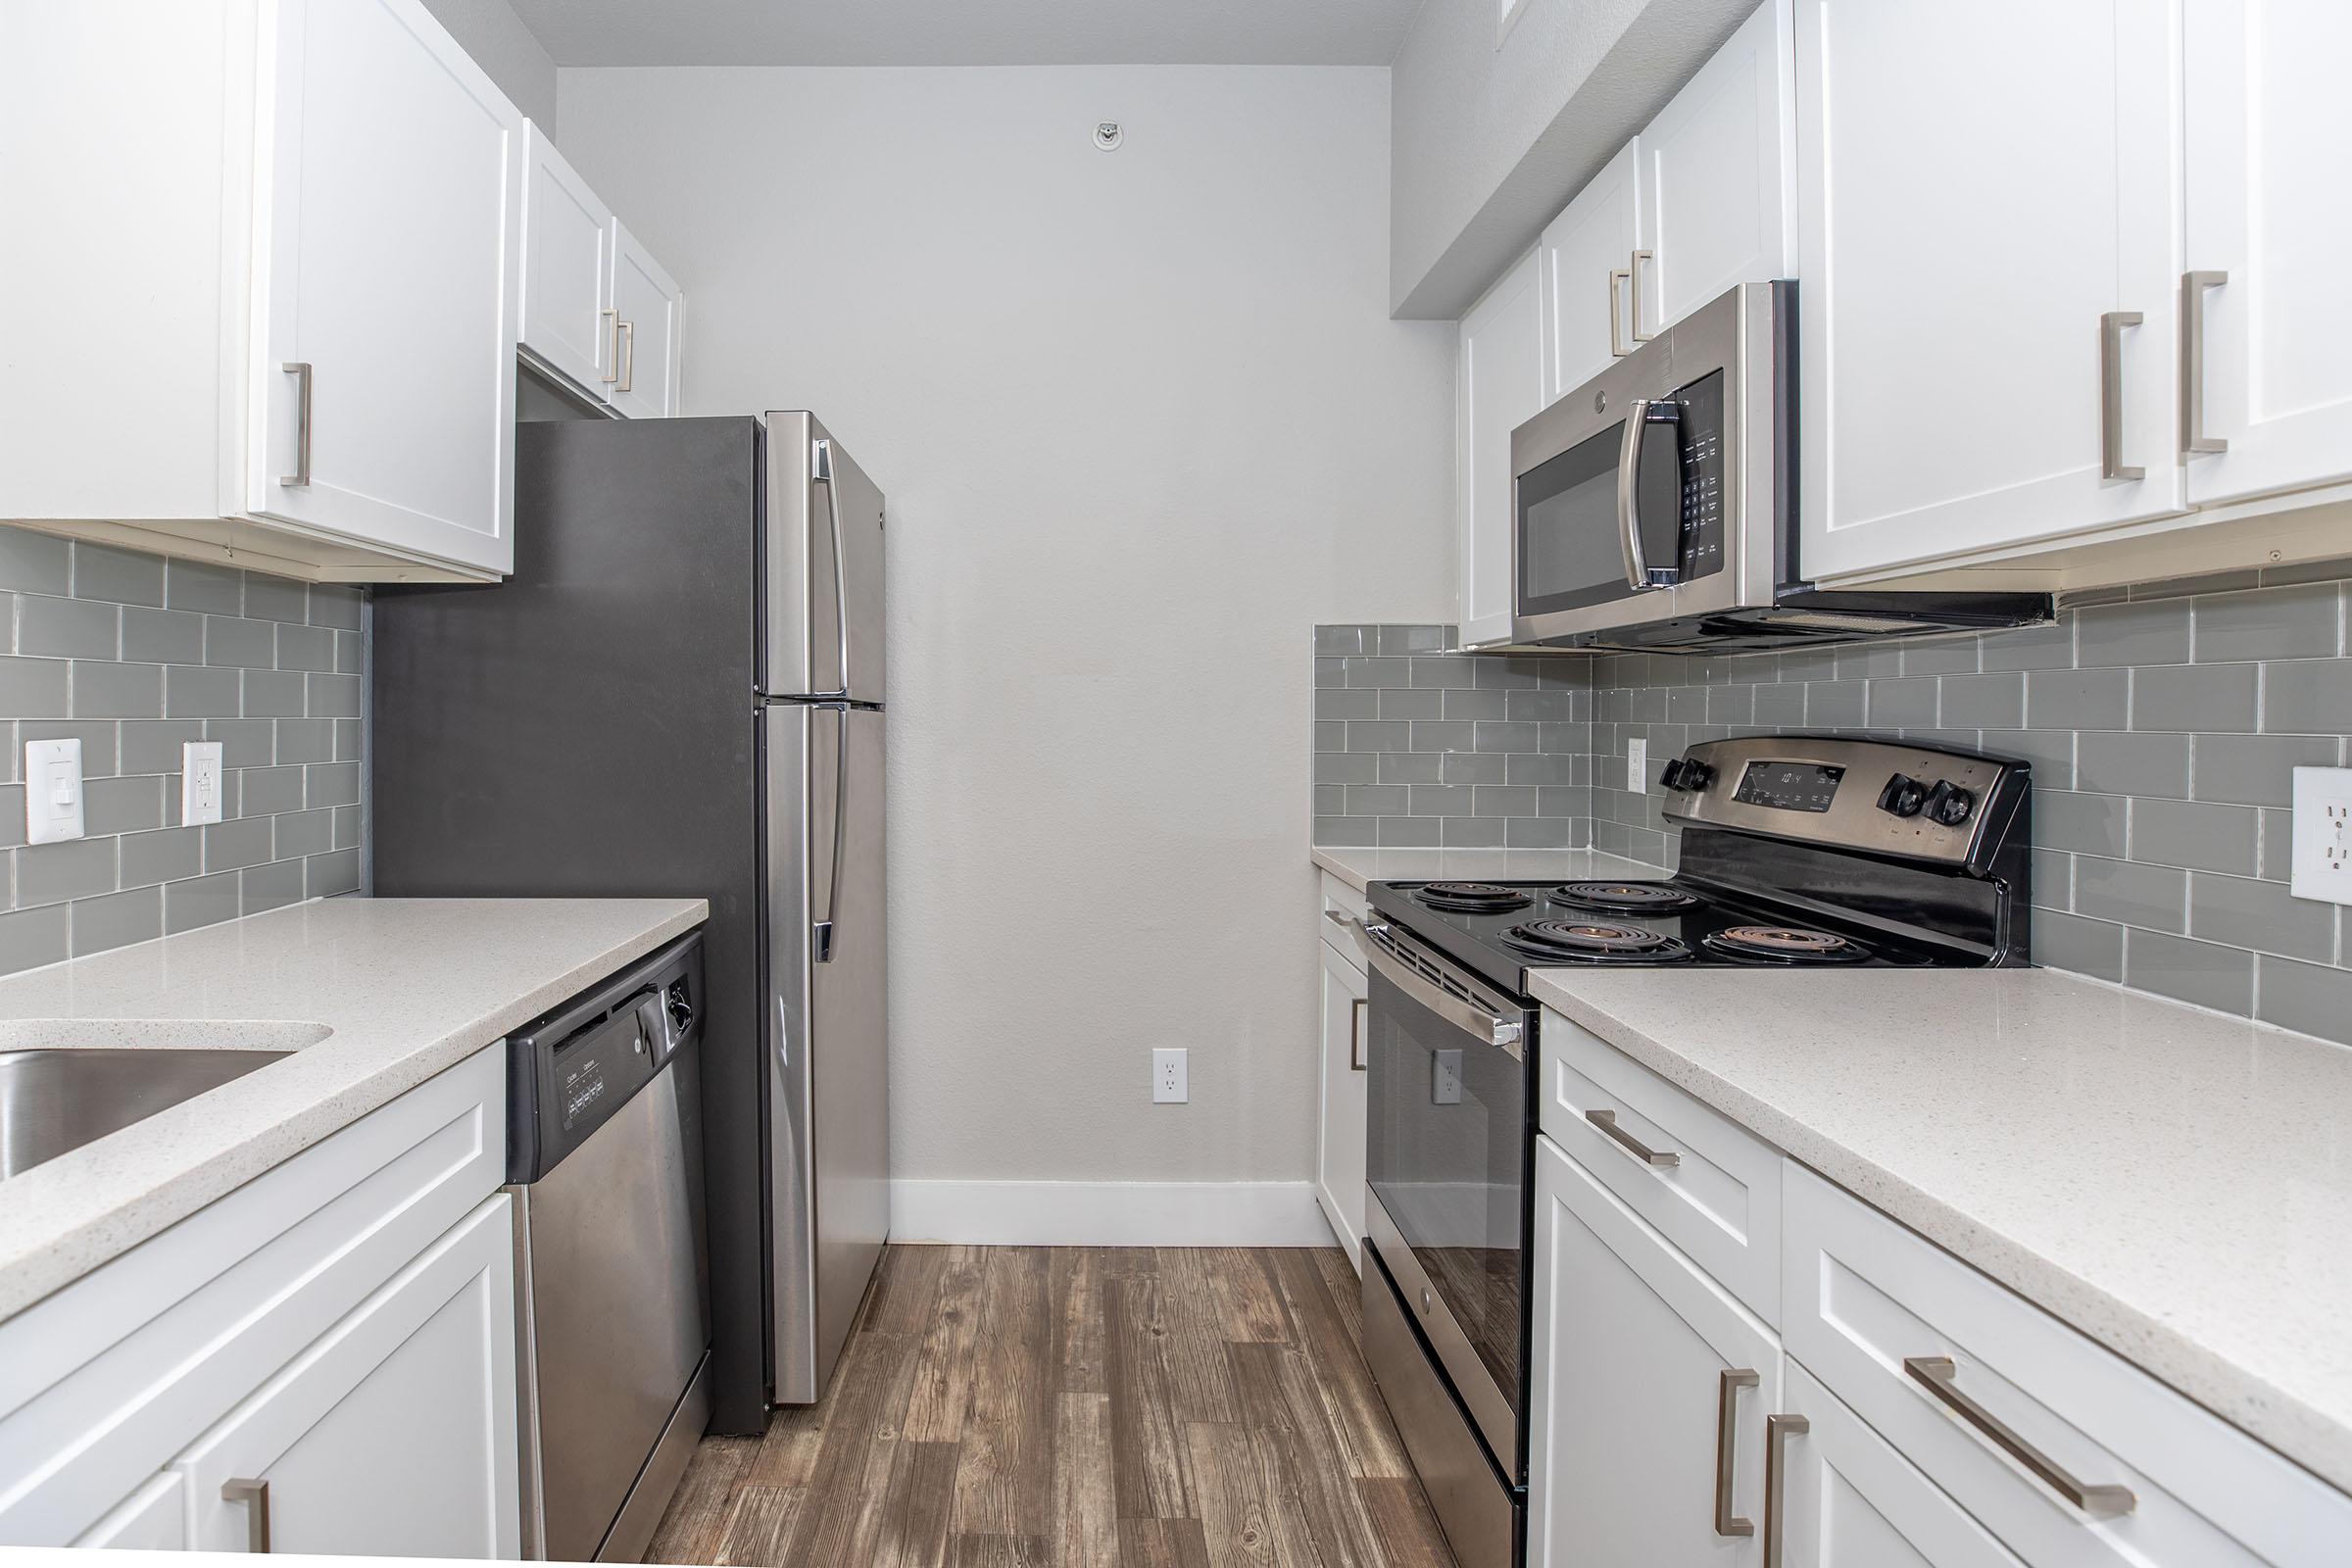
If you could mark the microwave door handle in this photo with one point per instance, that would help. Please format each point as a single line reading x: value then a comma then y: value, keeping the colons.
x: 1639, y: 575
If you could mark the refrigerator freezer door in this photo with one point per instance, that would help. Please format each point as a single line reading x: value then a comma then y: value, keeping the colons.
x: 828, y: 1046
x: 823, y: 554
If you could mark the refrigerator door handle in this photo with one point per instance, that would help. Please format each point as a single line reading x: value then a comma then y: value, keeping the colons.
x: 822, y: 931
x: 820, y: 471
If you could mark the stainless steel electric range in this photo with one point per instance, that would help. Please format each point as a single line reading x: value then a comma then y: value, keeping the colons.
x: 1797, y: 851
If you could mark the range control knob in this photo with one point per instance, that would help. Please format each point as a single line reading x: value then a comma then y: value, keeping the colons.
x: 1687, y: 774
x: 1949, y: 804
x: 1903, y: 795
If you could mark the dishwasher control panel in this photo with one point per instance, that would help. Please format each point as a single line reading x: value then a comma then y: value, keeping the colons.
x: 570, y: 1071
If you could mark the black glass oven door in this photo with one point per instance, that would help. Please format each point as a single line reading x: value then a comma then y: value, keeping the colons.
x: 1446, y: 1159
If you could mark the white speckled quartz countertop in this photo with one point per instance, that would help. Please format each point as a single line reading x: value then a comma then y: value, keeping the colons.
x: 1359, y: 866
x: 391, y: 990
x: 2176, y: 1184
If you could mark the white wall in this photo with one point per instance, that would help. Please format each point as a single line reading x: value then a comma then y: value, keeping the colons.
x: 1142, y: 421
x: 505, y: 49
x: 1492, y: 138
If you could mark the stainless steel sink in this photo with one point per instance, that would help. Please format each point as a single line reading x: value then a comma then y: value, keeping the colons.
x: 55, y: 1100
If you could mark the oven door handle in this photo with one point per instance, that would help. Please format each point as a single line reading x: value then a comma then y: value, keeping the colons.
x: 1479, y: 1024
x: 1639, y: 575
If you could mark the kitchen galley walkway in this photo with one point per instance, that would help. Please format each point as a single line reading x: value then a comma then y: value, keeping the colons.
x: 1084, y: 1407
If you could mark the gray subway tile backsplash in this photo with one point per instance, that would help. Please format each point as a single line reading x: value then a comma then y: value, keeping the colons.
x: 273, y: 669
x: 2164, y: 725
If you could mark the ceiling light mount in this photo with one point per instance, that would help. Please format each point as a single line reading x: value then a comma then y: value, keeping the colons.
x: 1108, y: 134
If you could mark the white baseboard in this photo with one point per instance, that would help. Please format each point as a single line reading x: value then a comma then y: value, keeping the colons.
x: 1108, y: 1214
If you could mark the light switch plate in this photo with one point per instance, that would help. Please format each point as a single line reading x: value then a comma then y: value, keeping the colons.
x: 2322, y: 859
x: 200, y: 782
x: 1637, y: 765
x: 52, y: 791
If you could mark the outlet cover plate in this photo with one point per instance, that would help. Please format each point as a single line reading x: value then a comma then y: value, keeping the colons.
x: 52, y: 791
x: 1170, y: 1080
x: 199, y: 782
x: 2322, y: 859
x: 1637, y: 765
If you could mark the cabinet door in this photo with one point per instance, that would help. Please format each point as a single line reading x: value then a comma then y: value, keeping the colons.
x: 1959, y: 248
x: 1718, y: 178
x: 388, y: 233
x: 1586, y: 256
x: 649, y: 311
x: 1340, y: 1130
x: 154, y: 1518
x: 2270, y: 206
x: 394, y: 1434
x: 1498, y: 386
x: 1632, y: 1345
x: 1847, y: 1499
x: 567, y: 236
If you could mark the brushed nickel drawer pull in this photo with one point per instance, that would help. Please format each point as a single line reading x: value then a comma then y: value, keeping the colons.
x: 1726, y: 1403
x: 1358, y: 1006
x: 628, y: 357
x: 1633, y: 271
x: 1940, y: 1376
x: 1778, y: 1430
x: 255, y: 1495
x: 2193, y: 439
x: 1606, y: 1121
x: 300, y: 369
x: 1617, y: 279
x: 611, y: 345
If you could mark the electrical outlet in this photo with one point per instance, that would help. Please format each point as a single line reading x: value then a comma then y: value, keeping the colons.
x: 52, y: 791
x: 1170, y: 1079
x: 200, y: 782
x: 1445, y: 1077
x: 2322, y: 859
x: 1637, y: 765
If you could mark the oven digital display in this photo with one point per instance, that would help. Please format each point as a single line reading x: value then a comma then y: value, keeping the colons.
x: 1790, y: 786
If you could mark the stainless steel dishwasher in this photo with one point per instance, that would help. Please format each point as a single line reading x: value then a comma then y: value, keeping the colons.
x: 604, y: 1155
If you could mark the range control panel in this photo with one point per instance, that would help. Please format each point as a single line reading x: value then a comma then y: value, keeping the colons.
x: 1876, y: 796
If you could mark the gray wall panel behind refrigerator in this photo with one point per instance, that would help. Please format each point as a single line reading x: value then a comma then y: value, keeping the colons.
x: 587, y: 729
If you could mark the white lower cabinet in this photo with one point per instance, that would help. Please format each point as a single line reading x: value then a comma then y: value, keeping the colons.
x: 1651, y: 1386
x: 1340, y: 1121
x: 1847, y: 1499
x: 341, y: 1327
x: 394, y: 1434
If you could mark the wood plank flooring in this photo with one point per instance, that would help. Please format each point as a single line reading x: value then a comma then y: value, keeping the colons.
x: 1081, y: 1408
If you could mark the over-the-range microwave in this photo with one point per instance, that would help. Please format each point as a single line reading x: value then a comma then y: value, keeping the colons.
x: 1655, y: 505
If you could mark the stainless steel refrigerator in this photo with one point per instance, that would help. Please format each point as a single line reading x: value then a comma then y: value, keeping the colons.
x: 680, y: 691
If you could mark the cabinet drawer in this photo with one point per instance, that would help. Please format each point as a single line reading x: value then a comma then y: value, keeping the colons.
x: 1340, y: 905
x: 1718, y: 1198
x: 1884, y: 1317
x: 103, y: 1382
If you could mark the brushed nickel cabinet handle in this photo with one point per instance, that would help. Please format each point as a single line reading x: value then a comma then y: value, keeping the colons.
x: 611, y: 345
x: 1606, y: 1121
x: 1778, y: 1430
x: 255, y: 1495
x: 628, y: 357
x: 300, y: 369
x: 1726, y: 1403
x: 1617, y: 346
x: 2111, y: 396
x: 1356, y: 1008
x: 1634, y: 271
x: 1940, y: 1376
x: 2193, y: 438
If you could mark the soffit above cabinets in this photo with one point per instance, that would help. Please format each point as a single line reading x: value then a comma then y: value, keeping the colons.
x: 970, y: 32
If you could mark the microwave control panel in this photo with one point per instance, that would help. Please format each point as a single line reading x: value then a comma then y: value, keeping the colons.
x: 1699, y: 440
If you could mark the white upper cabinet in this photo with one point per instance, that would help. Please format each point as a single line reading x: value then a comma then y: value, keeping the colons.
x: 1987, y: 349
x: 648, y: 315
x: 286, y: 336
x: 2270, y: 224
x: 567, y: 322
x: 1585, y: 256
x: 597, y: 308
x: 388, y: 228
x: 1717, y: 186
x: 1498, y: 386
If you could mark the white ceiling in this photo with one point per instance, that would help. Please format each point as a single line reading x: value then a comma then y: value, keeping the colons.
x: 970, y: 32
